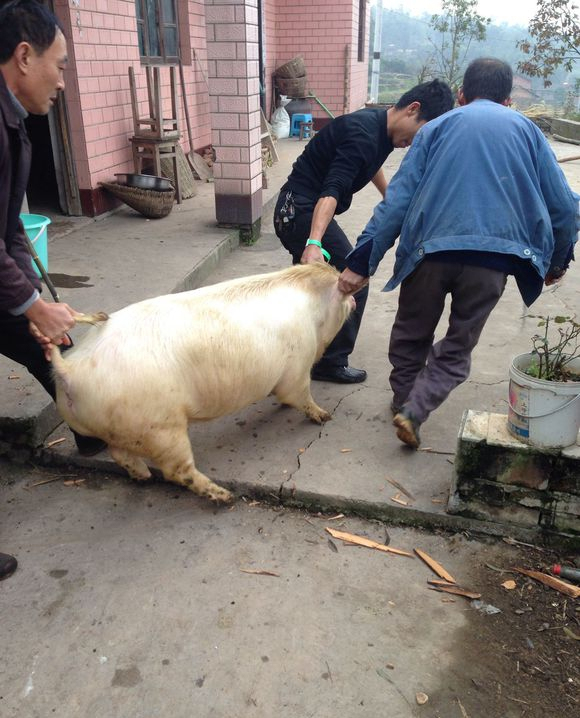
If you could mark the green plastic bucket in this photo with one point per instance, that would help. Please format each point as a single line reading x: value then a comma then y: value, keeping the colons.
x: 35, y: 227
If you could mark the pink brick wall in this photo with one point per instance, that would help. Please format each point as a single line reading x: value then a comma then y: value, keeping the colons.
x: 102, y: 43
x: 319, y: 31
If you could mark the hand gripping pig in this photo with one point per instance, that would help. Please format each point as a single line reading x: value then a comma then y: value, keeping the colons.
x: 140, y: 376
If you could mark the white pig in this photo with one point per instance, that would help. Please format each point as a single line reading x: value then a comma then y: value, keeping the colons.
x: 139, y: 378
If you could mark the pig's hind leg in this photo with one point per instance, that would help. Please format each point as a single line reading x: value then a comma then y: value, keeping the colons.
x: 294, y: 389
x: 171, y: 451
x: 134, y: 465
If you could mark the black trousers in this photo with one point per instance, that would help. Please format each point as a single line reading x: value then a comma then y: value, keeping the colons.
x: 336, y: 243
x: 18, y: 344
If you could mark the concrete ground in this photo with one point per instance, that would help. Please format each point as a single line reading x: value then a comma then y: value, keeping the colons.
x: 134, y: 601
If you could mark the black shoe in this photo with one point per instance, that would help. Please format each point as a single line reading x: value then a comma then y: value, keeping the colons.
x: 407, y: 428
x: 395, y: 408
x: 89, y: 445
x: 340, y: 375
x: 8, y: 565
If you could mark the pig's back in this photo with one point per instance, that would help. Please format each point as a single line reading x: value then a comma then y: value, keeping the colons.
x: 205, y: 353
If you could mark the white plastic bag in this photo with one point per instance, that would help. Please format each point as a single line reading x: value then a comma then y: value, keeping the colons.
x: 280, y: 123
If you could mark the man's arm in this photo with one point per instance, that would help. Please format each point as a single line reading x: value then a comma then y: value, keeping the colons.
x: 386, y: 223
x: 563, y: 208
x: 380, y: 182
x: 322, y: 217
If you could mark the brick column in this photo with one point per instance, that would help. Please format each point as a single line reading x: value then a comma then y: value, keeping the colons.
x: 232, y: 51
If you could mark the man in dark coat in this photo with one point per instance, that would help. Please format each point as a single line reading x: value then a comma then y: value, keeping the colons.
x: 338, y: 161
x: 32, y: 60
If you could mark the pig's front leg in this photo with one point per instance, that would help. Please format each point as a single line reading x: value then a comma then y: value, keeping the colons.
x: 295, y: 391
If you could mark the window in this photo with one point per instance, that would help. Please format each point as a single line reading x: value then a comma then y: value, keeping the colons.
x: 157, y: 30
x: 362, y: 26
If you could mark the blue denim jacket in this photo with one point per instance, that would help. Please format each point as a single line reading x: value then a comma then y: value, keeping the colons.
x: 481, y: 177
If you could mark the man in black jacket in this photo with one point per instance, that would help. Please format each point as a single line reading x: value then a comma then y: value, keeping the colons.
x: 340, y: 160
x: 32, y: 60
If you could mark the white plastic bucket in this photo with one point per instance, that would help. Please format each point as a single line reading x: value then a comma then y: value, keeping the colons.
x: 543, y: 413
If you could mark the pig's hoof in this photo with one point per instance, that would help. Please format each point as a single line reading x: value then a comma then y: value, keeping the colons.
x: 319, y: 416
x: 220, y: 495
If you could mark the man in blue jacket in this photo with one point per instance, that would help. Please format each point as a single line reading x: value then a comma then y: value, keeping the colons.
x: 478, y: 197
x: 340, y: 160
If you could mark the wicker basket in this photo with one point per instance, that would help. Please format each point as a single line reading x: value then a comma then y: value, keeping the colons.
x: 148, y: 202
x: 292, y: 69
x: 293, y: 87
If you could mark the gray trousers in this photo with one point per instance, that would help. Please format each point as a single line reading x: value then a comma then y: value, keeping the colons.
x: 424, y: 374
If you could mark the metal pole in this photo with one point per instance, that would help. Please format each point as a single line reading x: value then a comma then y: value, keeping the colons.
x: 41, y: 269
x: 376, y: 66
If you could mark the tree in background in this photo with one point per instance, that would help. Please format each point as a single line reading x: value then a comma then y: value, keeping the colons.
x: 555, y: 40
x: 458, y: 25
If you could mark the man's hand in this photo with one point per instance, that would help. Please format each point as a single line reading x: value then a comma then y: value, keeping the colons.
x: 311, y: 254
x: 350, y: 282
x: 553, y: 278
x: 51, y: 321
x: 45, y: 342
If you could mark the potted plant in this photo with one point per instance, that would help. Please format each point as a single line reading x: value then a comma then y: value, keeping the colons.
x: 544, y: 393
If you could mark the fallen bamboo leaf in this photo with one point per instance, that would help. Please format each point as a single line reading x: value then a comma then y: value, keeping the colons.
x: 46, y: 481
x: 402, y: 489
x: 397, y: 500
x: 361, y: 541
x: 54, y: 442
x: 345, y: 451
x: 431, y: 450
x: 448, y: 600
x: 456, y: 591
x: 332, y: 546
x: 435, y: 566
x: 421, y: 698
x: 509, y: 585
x: 570, y: 633
x: 14, y: 376
x: 498, y: 570
x: 439, y: 582
x: 437, y: 501
x: 73, y: 482
x: 514, y: 542
x: 552, y: 582
x: 334, y: 518
x: 260, y: 572
x: 463, y: 711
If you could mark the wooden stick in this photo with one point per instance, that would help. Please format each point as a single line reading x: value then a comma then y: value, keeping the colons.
x: 361, y: 541
x: 569, y: 159
x: 552, y: 582
x: 434, y: 566
x: 456, y: 591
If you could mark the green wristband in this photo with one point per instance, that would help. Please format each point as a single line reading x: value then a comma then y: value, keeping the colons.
x: 325, y: 254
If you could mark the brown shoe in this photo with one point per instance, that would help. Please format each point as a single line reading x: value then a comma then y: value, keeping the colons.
x: 8, y: 565
x: 407, y: 428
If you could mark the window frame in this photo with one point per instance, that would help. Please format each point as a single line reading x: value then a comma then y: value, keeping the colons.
x: 362, y: 23
x: 160, y: 24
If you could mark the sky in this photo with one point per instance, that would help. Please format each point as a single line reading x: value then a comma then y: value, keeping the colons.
x: 512, y: 12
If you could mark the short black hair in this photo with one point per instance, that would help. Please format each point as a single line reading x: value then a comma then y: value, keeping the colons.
x: 487, y: 78
x: 26, y: 21
x: 435, y: 97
